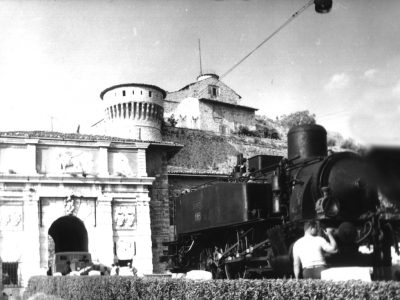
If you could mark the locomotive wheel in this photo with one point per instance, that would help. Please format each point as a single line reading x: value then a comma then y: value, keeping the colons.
x: 234, y: 272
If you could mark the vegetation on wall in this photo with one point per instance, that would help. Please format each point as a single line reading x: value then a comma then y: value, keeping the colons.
x: 261, y: 132
x: 171, y: 121
x: 206, y: 151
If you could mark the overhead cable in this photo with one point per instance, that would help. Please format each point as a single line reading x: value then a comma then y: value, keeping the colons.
x: 297, y: 13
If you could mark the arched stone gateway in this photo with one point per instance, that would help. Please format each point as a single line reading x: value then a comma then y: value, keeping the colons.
x: 69, y: 239
x: 69, y: 234
x: 58, y: 191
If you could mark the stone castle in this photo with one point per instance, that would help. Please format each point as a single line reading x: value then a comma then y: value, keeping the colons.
x: 105, y: 194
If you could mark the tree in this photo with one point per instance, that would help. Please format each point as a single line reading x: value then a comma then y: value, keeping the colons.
x: 297, y: 118
x: 267, y: 128
x: 172, y: 121
x: 334, y: 139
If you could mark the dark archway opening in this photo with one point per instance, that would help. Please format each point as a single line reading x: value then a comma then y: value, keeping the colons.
x: 69, y: 234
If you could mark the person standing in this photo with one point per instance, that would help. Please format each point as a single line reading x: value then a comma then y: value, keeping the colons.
x: 308, y: 251
x: 49, y: 271
x: 114, y: 270
x: 67, y: 268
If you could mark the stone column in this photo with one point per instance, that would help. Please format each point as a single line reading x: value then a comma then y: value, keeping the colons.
x: 141, y: 163
x: 144, y: 255
x: 101, y: 242
x: 30, y: 260
x: 102, y: 160
x: 31, y: 149
x: 160, y: 214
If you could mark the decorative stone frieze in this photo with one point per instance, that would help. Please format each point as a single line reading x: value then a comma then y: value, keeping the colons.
x: 11, y: 216
x: 125, y: 217
x: 69, y: 205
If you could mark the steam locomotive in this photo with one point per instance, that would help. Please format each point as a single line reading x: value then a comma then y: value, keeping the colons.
x: 245, y: 227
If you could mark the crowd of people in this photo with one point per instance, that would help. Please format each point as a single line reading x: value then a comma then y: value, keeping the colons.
x: 93, y: 269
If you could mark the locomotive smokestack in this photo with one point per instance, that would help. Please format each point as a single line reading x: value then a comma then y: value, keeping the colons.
x: 307, y: 141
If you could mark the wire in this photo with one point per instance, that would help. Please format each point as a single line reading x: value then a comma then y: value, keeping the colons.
x: 297, y: 13
x: 97, y: 122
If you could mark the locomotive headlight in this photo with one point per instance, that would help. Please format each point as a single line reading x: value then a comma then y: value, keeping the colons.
x: 323, y: 6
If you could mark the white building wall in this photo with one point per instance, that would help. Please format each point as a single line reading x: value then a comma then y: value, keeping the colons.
x: 33, y: 195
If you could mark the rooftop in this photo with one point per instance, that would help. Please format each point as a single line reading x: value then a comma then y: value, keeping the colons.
x: 53, y: 135
x: 199, y: 89
x: 228, y: 104
x: 144, y: 85
x: 182, y: 171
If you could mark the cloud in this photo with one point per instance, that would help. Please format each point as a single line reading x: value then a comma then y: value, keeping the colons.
x: 338, y: 81
x: 396, y: 89
x: 377, y: 129
x: 375, y: 120
x: 370, y: 74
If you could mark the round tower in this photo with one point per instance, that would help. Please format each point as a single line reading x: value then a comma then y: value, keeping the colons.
x: 134, y: 111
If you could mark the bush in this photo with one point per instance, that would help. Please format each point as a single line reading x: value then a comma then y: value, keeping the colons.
x: 244, y: 130
x: 116, y: 287
x: 260, y: 132
x: 172, y: 121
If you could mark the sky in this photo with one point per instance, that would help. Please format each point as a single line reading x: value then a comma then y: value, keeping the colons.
x: 56, y: 56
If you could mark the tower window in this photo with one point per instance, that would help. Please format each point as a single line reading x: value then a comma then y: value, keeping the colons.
x: 222, y: 129
x: 123, y: 93
x: 149, y: 93
x: 213, y: 90
x: 133, y: 92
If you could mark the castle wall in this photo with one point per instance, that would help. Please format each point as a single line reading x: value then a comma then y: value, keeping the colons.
x: 216, y: 116
x: 159, y: 206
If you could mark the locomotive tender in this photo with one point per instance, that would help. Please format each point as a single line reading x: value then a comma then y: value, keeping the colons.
x: 246, y: 227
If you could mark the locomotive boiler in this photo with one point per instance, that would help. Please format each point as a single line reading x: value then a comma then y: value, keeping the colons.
x: 246, y: 226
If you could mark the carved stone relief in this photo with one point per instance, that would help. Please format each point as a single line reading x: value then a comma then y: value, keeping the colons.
x: 125, y: 249
x: 11, y: 217
x: 70, y: 207
x: 121, y: 165
x: 75, y: 161
x: 124, y: 217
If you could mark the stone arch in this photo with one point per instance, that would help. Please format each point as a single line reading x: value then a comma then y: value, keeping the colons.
x: 50, y: 249
x: 69, y: 234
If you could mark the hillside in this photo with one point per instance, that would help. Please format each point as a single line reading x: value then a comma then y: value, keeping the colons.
x: 206, y: 152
